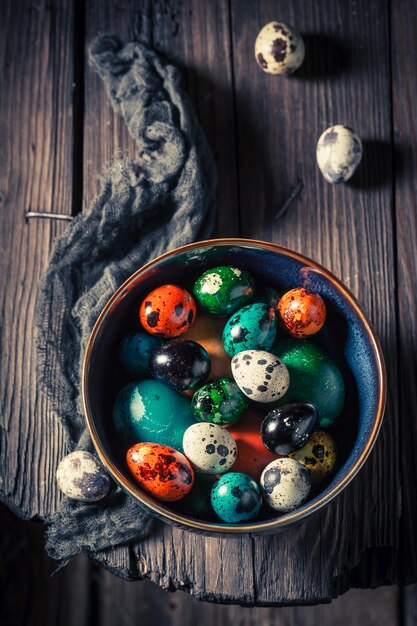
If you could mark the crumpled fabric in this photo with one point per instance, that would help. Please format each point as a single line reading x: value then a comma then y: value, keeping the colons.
x: 161, y: 199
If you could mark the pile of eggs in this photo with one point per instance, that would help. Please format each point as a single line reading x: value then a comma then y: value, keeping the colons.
x: 237, y: 440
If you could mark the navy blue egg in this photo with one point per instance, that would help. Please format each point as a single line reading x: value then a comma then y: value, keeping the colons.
x: 180, y: 363
x: 236, y: 497
x: 288, y: 427
x: 134, y: 352
x: 253, y: 327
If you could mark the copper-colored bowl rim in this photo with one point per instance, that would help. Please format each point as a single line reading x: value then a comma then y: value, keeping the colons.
x: 255, y: 527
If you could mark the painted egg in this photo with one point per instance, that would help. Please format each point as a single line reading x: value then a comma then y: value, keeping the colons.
x: 288, y: 428
x: 339, y: 152
x: 285, y: 484
x: 260, y: 375
x: 168, y: 311
x: 198, y: 502
x: 253, y: 327
x: 207, y: 331
x: 162, y: 471
x: 209, y: 447
x: 150, y: 411
x: 81, y: 477
x: 134, y: 351
x: 314, y: 378
x: 268, y: 295
x: 224, y: 289
x: 319, y: 456
x: 302, y: 312
x: 252, y: 456
x: 279, y: 49
x: 219, y: 401
x: 236, y: 497
x: 181, y: 364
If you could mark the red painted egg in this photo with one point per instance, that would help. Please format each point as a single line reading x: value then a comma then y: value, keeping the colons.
x: 252, y: 456
x: 162, y: 471
x: 168, y: 311
x: 302, y: 312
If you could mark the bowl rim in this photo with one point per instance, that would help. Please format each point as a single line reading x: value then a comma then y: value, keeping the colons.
x: 261, y: 527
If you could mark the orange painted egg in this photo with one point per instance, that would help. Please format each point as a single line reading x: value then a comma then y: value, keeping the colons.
x: 252, y: 456
x: 167, y: 311
x: 162, y: 471
x: 302, y: 312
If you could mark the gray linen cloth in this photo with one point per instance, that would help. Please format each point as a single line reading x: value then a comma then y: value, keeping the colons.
x: 160, y: 200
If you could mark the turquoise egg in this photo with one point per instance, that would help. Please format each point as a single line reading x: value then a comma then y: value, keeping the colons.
x: 150, y: 411
x: 236, y: 497
x: 253, y: 327
x: 135, y: 350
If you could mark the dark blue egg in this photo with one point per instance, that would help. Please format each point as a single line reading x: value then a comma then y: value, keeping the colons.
x: 180, y: 363
x: 289, y: 427
x: 236, y: 497
x: 134, y: 352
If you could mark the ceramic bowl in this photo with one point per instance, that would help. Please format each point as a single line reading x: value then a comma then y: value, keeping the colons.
x: 347, y: 336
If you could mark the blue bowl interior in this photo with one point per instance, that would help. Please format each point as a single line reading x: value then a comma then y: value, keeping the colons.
x: 343, y: 337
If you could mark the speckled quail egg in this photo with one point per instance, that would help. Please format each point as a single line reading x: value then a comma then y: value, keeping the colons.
x: 339, y: 152
x: 209, y: 447
x: 318, y: 456
x: 260, y: 375
x: 279, y: 49
x: 285, y: 484
x: 81, y: 477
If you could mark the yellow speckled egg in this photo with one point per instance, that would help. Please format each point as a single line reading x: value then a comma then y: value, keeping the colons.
x: 279, y: 49
x: 319, y: 456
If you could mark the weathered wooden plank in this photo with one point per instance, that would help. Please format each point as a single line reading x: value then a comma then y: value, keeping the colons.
x: 404, y: 90
x: 349, y: 229
x: 35, y: 173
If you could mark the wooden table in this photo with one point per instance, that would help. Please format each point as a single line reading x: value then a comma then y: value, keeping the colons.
x: 58, y: 131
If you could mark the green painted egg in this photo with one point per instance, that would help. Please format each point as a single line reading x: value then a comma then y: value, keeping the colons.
x: 223, y: 290
x: 198, y: 502
x: 152, y: 412
x: 220, y: 401
x: 269, y: 295
x: 314, y: 378
x: 253, y: 327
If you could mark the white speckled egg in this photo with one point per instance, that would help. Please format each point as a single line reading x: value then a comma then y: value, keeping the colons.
x: 260, y: 375
x: 209, y: 447
x: 339, y: 152
x: 279, y: 49
x: 285, y: 484
x: 81, y: 477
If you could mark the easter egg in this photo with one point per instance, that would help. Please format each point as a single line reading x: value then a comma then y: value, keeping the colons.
x: 318, y: 456
x: 253, y: 327
x: 288, y: 428
x: 81, y: 477
x: 134, y: 351
x: 161, y: 470
x: 219, y: 401
x: 285, y: 484
x: 181, y: 364
x: 223, y: 290
x: 236, y: 497
x: 209, y: 447
x: 150, y: 411
x: 279, y: 49
x: 268, y: 295
x: 260, y: 375
x: 302, y: 312
x: 198, y: 502
x: 252, y: 456
x: 314, y: 378
x: 339, y: 152
x: 207, y: 331
x: 168, y: 311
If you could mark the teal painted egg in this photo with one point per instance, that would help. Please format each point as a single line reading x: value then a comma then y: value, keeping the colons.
x: 220, y: 401
x: 223, y: 290
x: 198, y: 502
x: 134, y: 352
x: 150, y: 411
x: 253, y: 327
x: 314, y: 378
x: 236, y: 497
